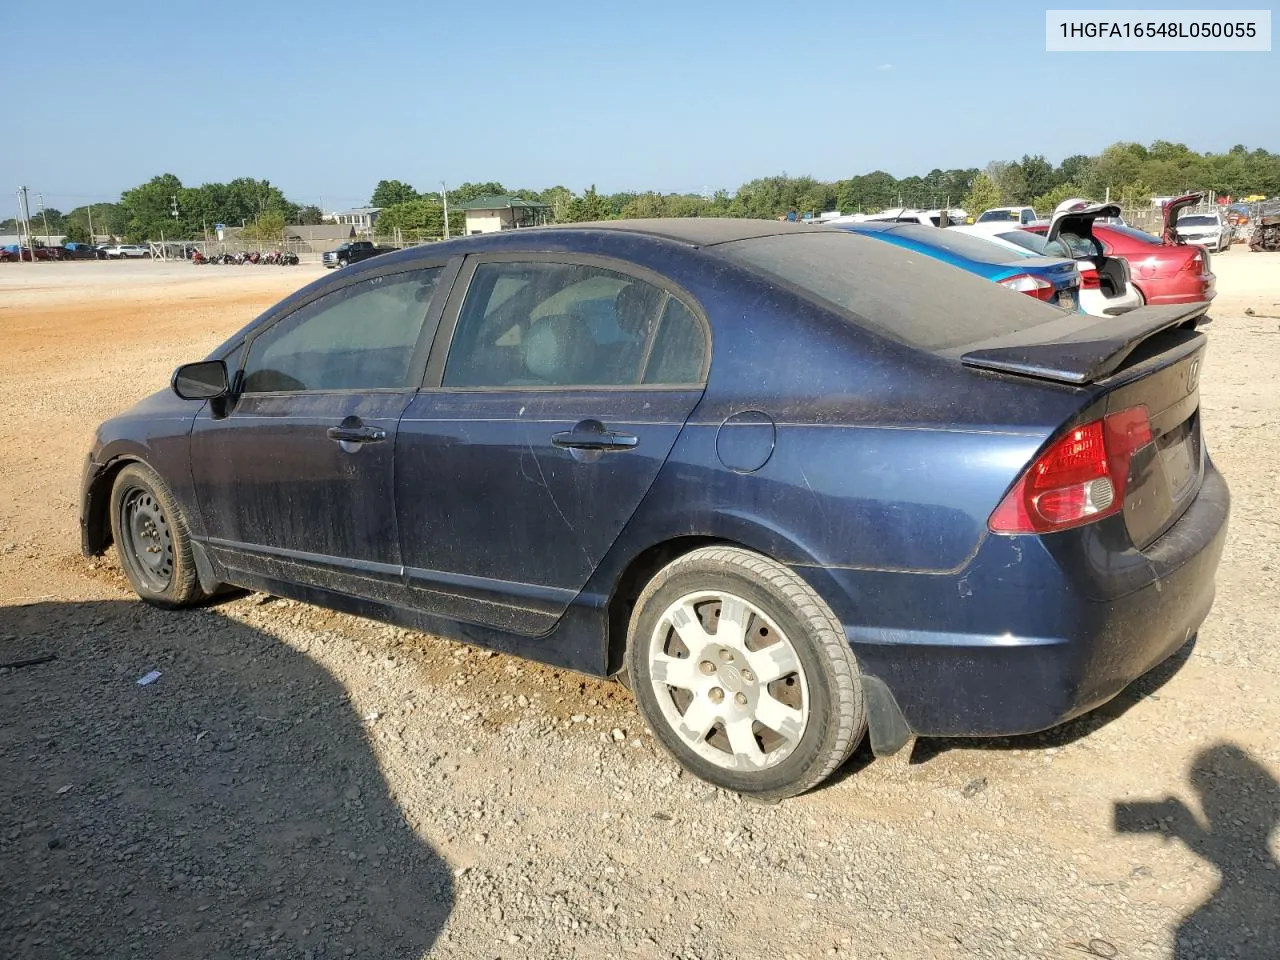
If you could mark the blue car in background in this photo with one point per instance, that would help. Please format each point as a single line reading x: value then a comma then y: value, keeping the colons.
x: 1053, y: 280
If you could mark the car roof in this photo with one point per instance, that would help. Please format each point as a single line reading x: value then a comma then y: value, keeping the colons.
x: 698, y: 231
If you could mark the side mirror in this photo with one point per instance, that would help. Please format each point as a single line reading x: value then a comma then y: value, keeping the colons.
x: 205, y: 380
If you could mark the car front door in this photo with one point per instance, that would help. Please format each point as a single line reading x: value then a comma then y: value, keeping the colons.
x: 294, y: 478
x: 555, y: 392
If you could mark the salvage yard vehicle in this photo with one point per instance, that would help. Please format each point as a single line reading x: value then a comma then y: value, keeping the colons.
x: 126, y: 251
x: 1093, y: 300
x: 792, y: 484
x: 1055, y: 280
x: 1022, y: 215
x: 1211, y: 230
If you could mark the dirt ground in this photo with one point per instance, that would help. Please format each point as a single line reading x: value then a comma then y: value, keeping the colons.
x: 304, y: 784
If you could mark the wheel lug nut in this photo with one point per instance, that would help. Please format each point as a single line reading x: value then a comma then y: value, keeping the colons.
x: 707, y: 667
x: 716, y: 695
x: 748, y: 677
x: 740, y: 699
x: 726, y: 656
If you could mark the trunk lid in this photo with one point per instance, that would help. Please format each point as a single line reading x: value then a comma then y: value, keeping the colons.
x: 1170, y: 211
x: 1151, y: 358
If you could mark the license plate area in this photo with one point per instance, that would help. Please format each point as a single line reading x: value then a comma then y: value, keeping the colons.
x: 1067, y: 301
x: 1180, y: 456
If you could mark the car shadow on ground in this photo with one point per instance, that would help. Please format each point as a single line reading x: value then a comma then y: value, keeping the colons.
x: 1146, y: 686
x: 231, y: 808
x: 1240, y: 803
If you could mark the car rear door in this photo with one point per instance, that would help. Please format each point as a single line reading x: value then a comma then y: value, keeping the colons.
x: 294, y: 478
x: 556, y: 389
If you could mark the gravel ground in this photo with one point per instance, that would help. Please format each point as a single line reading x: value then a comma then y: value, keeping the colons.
x: 299, y: 783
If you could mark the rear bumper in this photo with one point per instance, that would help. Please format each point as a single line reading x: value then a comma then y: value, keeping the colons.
x: 1159, y: 291
x: 1076, y: 654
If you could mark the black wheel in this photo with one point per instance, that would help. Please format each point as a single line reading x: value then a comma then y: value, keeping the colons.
x: 151, y: 539
x: 744, y: 673
x: 343, y: 262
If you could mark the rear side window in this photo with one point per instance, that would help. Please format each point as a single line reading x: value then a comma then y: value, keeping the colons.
x: 1036, y: 243
x: 997, y: 216
x: 680, y: 348
x: 912, y: 298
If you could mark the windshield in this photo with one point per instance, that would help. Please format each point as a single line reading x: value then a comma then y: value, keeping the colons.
x: 913, y: 299
x: 998, y: 216
x: 1198, y: 220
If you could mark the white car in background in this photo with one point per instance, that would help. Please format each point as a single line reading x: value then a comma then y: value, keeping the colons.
x: 123, y: 251
x: 1093, y: 299
x: 930, y: 218
x: 1210, y: 230
x: 1008, y: 215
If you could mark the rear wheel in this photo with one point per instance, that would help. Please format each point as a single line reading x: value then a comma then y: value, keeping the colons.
x: 744, y: 673
x: 152, y: 540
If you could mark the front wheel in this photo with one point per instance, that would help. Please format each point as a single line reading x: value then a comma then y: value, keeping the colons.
x: 152, y: 540
x: 744, y: 673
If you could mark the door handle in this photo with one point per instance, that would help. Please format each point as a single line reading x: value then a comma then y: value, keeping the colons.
x: 593, y: 435
x: 353, y: 434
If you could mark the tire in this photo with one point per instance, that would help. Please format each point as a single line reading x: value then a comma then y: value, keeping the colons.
x: 779, y: 700
x: 343, y: 263
x: 152, y: 540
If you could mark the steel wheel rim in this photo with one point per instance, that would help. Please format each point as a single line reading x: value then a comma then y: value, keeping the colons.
x: 148, y: 540
x: 728, y: 681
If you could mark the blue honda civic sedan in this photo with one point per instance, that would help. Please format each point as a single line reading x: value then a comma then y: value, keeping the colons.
x: 795, y: 486
x: 1055, y: 280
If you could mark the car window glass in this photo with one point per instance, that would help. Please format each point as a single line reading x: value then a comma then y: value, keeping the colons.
x: 1198, y: 220
x: 1080, y: 246
x: 680, y: 348
x: 360, y: 337
x: 552, y: 324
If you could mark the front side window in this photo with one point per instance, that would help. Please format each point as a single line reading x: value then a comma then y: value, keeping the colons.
x: 540, y: 324
x: 361, y: 337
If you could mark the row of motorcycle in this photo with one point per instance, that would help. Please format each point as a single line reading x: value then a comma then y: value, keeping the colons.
x: 282, y: 258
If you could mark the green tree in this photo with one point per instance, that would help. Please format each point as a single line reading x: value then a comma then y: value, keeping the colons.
x: 588, y: 207
x: 1046, y: 202
x: 149, y: 210
x: 983, y: 195
x: 78, y: 233
x: 267, y: 228
x: 416, y: 221
x: 469, y: 191
x: 309, y: 215
x: 390, y: 192
x: 1038, y: 174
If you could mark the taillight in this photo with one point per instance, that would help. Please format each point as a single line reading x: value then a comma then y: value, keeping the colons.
x: 1079, y: 479
x: 1195, y: 263
x: 1032, y: 286
x: 1089, y: 280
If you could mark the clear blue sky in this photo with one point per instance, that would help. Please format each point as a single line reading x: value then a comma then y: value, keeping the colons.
x: 326, y: 98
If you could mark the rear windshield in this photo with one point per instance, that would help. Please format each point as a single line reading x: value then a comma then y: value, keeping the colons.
x: 998, y: 216
x: 1036, y: 243
x: 964, y: 245
x: 1199, y: 220
x: 1134, y: 232
x: 910, y: 297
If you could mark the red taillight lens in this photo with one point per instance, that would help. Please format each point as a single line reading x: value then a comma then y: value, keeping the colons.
x: 1194, y: 264
x: 1032, y: 286
x: 1079, y: 479
x: 1089, y: 280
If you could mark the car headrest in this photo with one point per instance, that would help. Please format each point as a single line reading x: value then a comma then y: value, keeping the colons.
x: 559, y: 349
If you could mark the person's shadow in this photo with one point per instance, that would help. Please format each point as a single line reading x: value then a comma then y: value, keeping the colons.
x: 1241, y: 804
x: 232, y: 808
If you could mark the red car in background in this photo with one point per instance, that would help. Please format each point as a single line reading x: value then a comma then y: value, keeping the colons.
x: 1164, y: 270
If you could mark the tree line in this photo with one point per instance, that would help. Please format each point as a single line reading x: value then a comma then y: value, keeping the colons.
x: 1129, y: 172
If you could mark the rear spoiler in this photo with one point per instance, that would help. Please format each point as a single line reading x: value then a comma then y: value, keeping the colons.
x: 1085, y: 353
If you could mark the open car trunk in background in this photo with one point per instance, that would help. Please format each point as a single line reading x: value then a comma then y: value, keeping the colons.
x: 1074, y: 230
x: 1150, y: 357
x: 1170, y: 211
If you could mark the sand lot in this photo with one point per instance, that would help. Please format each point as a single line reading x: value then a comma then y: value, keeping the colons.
x: 304, y: 784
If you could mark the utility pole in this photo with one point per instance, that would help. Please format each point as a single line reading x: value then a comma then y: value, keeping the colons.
x: 444, y: 195
x: 91, y: 236
x: 43, y: 216
x: 25, y: 212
